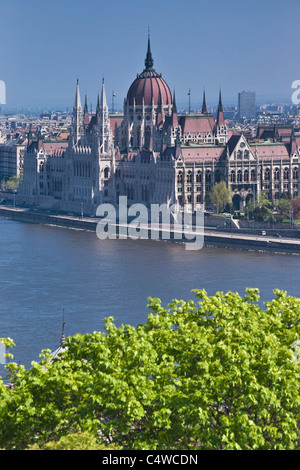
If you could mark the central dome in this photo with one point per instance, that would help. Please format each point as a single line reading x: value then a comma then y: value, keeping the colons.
x: 149, y: 86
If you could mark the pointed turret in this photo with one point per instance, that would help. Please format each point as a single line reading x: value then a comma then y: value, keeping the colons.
x: 78, y: 127
x: 86, y: 113
x: 204, y: 107
x: 149, y: 60
x: 104, y: 123
x: 160, y: 111
x: 220, y: 115
x: 98, y: 107
x: 103, y: 102
x: 77, y: 103
x: 293, y: 143
x: 174, y: 112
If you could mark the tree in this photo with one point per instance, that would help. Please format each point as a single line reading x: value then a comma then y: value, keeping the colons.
x: 284, y: 208
x: 261, y: 209
x: 216, y: 372
x: 13, y: 183
x: 220, y: 196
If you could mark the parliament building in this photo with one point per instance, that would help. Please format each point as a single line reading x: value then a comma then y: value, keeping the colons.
x: 153, y: 154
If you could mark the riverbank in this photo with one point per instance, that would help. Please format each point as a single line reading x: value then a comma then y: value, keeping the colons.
x: 233, y: 239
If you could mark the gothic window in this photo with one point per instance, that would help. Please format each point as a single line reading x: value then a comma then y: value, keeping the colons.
x: 295, y: 173
x: 246, y: 176
x: 106, y: 172
x: 239, y: 176
x: 246, y: 154
x: 232, y: 176
x: 267, y: 174
x: 208, y: 176
x: 179, y: 178
x: 276, y: 174
x: 252, y: 175
x: 286, y: 174
x: 198, y: 177
x: 189, y: 177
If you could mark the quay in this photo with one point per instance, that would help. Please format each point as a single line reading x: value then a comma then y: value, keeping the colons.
x: 225, y: 238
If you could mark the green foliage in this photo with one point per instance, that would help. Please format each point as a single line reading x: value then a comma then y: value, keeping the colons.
x: 220, y: 196
x: 75, y: 441
x: 13, y: 183
x: 216, y: 372
x: 283, y: 208
x: 261, y: 209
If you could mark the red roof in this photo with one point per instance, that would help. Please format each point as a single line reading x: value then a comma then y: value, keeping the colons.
x: 199, y: 154
x: 149, y: 85
x: 197, y: 124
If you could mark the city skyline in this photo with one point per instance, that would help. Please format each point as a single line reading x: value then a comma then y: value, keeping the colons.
x: 45, y: 48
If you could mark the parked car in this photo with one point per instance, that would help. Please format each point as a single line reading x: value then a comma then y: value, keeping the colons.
x: 263, y: 232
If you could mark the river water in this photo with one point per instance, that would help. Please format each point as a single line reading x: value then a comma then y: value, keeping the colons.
x: 47, y: 270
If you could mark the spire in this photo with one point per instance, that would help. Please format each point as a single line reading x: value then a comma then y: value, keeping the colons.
x: 293, y: 142
x: 220, y: 115
x: 204, y: 107
x: 220, y: 101
x: 174, y: 102
x: 86, y: 112
x: 149, y: 60
x: 174, y: 112
x: 103, y: 102
x: 98, y: 106
x: 160, y: 111
x: 77, y: 103
x: 77, y: 124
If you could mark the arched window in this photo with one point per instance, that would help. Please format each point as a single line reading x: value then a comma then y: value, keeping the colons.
x: 199, y: 177
x: 276, y: 174
x: 286, y: 174
x: 106, y: 172
x: 239, y: 176
x: 267, y: 174
x: 252, y: 175
x: 232, y: 176
x: 295, y: 173
x: 179, y: 178
x: 246, y: 176
x: 208, y: 176
x: 189, y: 177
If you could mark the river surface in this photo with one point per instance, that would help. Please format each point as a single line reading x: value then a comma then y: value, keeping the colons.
x: 47, y: 270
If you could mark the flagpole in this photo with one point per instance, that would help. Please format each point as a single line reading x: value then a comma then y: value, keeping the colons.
x: 112, y: 102
x: 189, y: 93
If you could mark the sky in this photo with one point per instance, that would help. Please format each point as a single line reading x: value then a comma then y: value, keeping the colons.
x: 236, y: 45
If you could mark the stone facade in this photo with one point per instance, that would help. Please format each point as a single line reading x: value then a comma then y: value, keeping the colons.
x: 152, y: 154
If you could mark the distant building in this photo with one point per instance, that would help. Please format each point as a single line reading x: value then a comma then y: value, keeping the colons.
x: 2, y: 92
x: 11, y: 158
x: 246, y: 105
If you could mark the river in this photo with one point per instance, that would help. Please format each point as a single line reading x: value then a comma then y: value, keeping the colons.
x: 47, y: 270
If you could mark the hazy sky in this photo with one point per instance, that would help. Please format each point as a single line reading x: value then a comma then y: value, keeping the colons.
x: 45, y: 45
